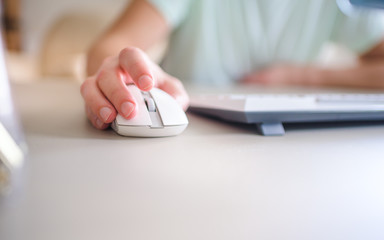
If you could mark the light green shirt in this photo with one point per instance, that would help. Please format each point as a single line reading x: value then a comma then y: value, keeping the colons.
x: 217, y: 42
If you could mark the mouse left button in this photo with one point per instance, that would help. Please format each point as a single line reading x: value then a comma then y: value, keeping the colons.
x: 142, y: 116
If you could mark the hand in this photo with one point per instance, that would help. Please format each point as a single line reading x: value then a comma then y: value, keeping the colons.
x: 106, y: 94
x: 367, y: 74
x: 286, y: 75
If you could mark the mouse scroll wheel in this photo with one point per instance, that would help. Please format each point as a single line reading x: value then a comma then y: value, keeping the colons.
x: 150, y: 104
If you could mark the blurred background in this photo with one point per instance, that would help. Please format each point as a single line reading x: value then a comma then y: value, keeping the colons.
x: 48, y: 39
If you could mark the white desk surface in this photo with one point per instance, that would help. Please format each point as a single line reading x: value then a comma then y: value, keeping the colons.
x: 215, y: 181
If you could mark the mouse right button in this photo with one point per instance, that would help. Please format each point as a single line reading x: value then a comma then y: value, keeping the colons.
x: 170, y: 111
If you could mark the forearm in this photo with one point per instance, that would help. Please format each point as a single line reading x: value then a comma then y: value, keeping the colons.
x: 140, y: 25
x: 102, y: 49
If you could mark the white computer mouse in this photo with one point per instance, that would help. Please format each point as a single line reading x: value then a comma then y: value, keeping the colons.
x: 158, y: 115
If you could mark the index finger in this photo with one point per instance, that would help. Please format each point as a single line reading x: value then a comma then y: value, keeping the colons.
x: 137, y: 65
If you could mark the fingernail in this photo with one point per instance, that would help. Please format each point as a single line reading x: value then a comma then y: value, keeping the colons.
x: 127, y: 108
x: 99, y: 123
x: 105, y: 112
x: 145, y: 82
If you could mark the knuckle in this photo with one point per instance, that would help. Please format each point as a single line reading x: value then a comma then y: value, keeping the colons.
x: 117, y: 96
x: 135, y: 68
x: 134, y: 61
x: 177, y: 83
x: 84, y: 87
x: 129, y: 51
x: 107, y: 60
x: 105, y: 76
x: 101, y: 75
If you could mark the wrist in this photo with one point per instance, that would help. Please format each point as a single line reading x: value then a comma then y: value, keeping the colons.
x: 317, y: 76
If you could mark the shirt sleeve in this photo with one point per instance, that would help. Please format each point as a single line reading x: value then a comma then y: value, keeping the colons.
x: 174, y: 11
x: 359, y: 31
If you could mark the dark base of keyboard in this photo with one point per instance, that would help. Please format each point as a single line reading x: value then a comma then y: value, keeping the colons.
x: 271, y: 123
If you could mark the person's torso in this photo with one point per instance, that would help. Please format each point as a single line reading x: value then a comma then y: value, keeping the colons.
x: 221, y: 40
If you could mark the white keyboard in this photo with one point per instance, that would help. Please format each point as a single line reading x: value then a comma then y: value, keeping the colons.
x: 274, y: 109
x: 351, y: 98
x: 347, y: 98
x: 290, y: 102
